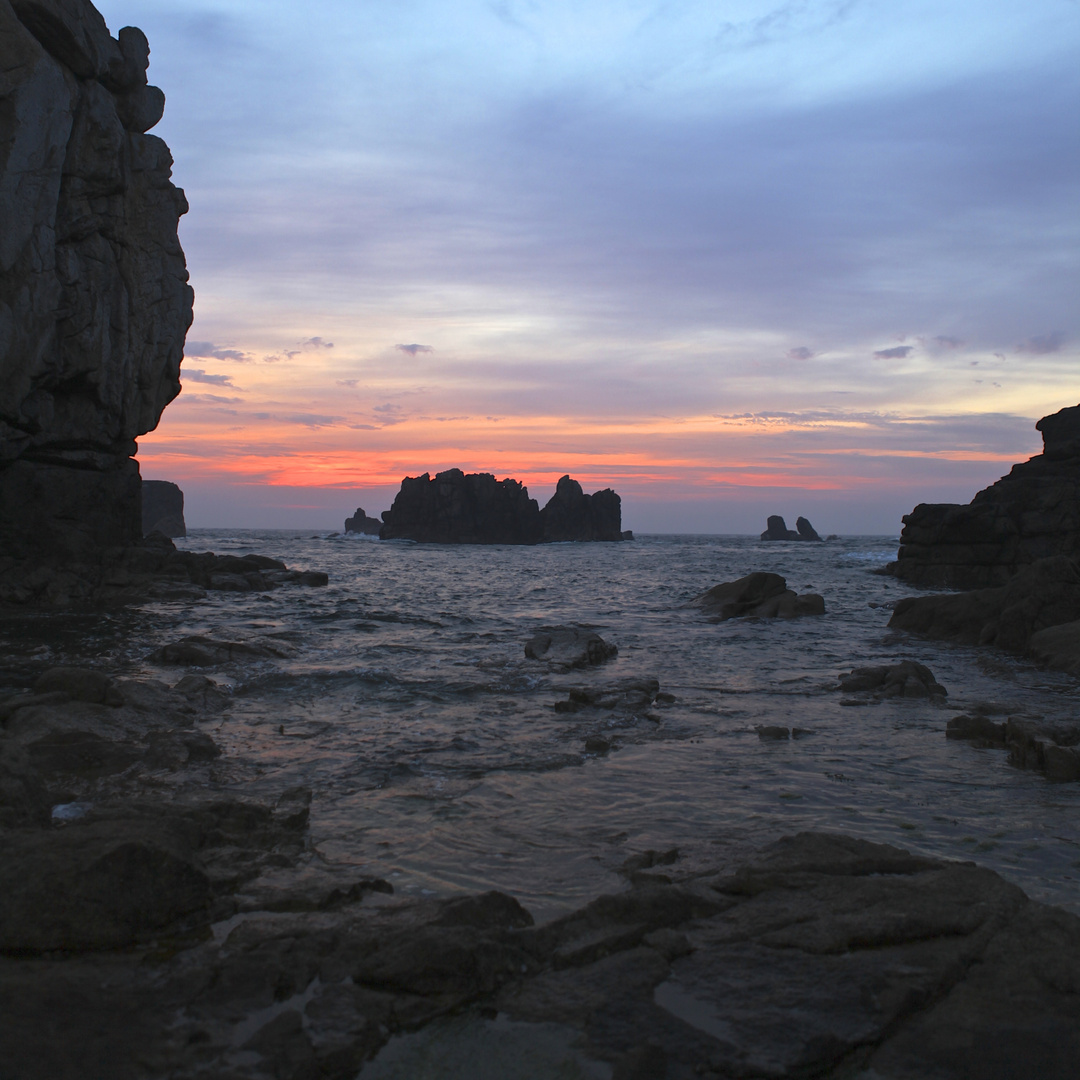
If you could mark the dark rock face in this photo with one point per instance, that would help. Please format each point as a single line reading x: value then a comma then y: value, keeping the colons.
x: 459, y: 508
x: 825, y: 955
x: 760, y: 595
x: 1032, y: 513
x: 361, y: 523
x: 475, y: 508
x: 565, y: 647
x: 162, y: 508
x: 570, y: 514
x: 907, y: 679
x: 1044, y: 595
x: 94, y: 300
x: 776, y: 529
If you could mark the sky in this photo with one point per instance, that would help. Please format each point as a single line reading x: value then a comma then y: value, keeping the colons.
x: 730, y: 258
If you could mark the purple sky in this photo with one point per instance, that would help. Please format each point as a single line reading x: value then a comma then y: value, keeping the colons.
x: 731, y: 259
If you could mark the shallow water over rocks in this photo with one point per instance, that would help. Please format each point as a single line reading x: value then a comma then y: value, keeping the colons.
x: 402, y: 695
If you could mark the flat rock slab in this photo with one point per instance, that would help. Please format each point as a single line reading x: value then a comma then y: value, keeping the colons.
x: 825, y: 956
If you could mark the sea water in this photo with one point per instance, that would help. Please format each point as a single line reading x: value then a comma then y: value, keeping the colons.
x: 438, y: 761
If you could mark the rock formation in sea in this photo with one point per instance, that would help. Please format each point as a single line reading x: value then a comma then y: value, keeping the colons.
x: 758, y: 595
x: 94, y: 294
x: 361, y: 523
x: 475, y: 508
x: 776, y: 529
x: 1032, y: 513
x: 162, y: 508
x: 570, y: 514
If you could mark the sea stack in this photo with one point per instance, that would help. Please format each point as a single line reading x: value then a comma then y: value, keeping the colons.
x: 776, y: 529
x: 361, y: 523
x: 163, y: 508
x: 1032, y: 513
x: 475, y: 508
x: 94, y: 294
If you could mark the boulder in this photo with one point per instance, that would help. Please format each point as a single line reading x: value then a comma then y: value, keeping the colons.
x: 906, y: 679
x: 806, y: 530
x: 162, y: 508
x: 570, y: 514
x: 568, y: 647
x: 361, y: 523
x: 760, y: 595
x: 626, y: 695
x: 1041, y: 595
x: 94, y: 294
x: 1057, y: 647
x: 1030, y: 514
x: 978, y: 729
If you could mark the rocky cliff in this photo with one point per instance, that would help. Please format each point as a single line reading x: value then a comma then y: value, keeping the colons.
x: 94, y: 299
x: 475, y: 508
x: 1032, y: 513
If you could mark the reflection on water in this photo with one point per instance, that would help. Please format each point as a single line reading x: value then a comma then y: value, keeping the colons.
x: 438, y: 761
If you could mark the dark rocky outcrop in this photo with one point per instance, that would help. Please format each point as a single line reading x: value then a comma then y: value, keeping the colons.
x: 570, y: 514
x: 94, y: 299
x: 361, y: 523
x: 1041, y: 598
x: 475, y: 508
x: 565, y: 647
x: 907, y: 679
x: 1049, y: 747
x: 776, y: 529
x: 1030, y: 514
x: 824, y: 955
x: 758, y: 595
x: 163, y: 509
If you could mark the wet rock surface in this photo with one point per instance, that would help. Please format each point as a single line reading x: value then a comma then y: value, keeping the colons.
x: 759, y: 595
x: 566, y: 647
x: 1030, y: 514
x: 154, y: 570
x: 907, y: 679
x: 823, y: 956
x: 1035, y: 613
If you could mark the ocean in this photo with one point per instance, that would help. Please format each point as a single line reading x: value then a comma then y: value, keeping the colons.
x: 438, y: 762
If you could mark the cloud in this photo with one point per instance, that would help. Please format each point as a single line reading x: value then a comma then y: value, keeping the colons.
x: 202, y: 399
x: 315, y: 343
x: 207, y: 350
x: 347, y: 382
x: 412, y: 350
x: 198, y: 375
x: 800, y: 352
x: 897, y: 353
x: 942, y: 341
x: 1043, y: 344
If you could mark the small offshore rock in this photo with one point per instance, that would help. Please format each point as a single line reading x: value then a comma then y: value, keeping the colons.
x: 629, y: 694
x: 906, y: 679
x: 767, y: 732
x: 976, y: 728
x: 759, y: 595
x: 361, y: 523
x: 570, y: 647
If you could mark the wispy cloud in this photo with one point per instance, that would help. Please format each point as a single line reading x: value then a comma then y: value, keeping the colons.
x: 200, y: 376
x: 800, y: 352
x: 207, y: 350
x: 412, y: 350
x: 1043, y: 345
x: 898, y: 352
